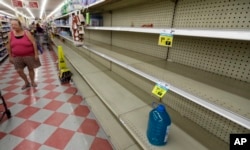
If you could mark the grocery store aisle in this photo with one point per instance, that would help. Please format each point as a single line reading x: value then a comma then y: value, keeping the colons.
x: 50, y: 116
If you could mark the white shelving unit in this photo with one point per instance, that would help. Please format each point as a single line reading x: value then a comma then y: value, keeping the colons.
x: 219, y: 36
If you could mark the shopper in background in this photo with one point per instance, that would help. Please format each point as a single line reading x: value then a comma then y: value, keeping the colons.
x: 32, y: 28
x: 39, y: 29
x: 39, y: 37
x: 23, y: 53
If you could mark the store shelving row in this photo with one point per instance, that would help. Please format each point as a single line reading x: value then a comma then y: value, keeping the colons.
x: 208, y: 95
x: 200, y: 101
x: 3, y: 57
x: 130, y: 110
x: 4, y: 29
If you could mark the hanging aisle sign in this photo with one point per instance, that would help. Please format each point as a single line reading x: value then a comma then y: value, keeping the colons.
x: 17, y: 3
x: 165, y: 39
x: 160, y: 90
x: 33, y: 4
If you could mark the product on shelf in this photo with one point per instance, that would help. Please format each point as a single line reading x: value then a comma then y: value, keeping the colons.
x: 77, y: 27
x: 4, y: 29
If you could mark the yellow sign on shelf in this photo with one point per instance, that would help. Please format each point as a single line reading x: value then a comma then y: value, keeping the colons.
x: 165, y: 39
x: 160, y: 90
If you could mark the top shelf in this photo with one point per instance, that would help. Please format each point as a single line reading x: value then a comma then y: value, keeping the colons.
x: 88, y: 6
x: 220, y: 34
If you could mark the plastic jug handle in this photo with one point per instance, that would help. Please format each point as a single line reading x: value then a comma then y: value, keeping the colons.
x: 154, y: 104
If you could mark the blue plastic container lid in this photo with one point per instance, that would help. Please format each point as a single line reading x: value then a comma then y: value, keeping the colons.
x: 160, y: 108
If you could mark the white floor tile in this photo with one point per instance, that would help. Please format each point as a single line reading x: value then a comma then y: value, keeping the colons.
x: 42, y: 133
x: 41, y: 115
x: 80, y: 142
x: 72, y: 122
x: 9, y: 142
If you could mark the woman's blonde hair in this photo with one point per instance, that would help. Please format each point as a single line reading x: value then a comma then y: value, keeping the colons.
x: 19, y: 22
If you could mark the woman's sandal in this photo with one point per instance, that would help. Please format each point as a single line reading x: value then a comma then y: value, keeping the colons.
x: 25, y: 86
x: 34, y: 85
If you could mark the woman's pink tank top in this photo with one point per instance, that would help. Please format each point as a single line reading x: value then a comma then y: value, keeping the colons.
x: 21, y: 46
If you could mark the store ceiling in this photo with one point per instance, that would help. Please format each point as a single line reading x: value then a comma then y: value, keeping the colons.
x: 50, y: 6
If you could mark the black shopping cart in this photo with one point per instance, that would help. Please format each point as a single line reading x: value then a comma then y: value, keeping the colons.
x: 6, y: 111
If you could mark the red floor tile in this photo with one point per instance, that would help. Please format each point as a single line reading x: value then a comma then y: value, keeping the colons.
x: 49, y: 80
x: 82, y: 111
x: 100, y: 144
x: 2, y: 135
x: 66, y: 84
x: 15, y: 76
x: 53, y: 105
x: 14, y: 81
x: 60, y: 138
x: 29, y: 100
x: 25, y: 129
x: 71, y: 90
x: 56, y: 119
x: 75, y: 99
x: 8, y: 95
x: 5, y: 118
x: 89, y: 126
x: 11, y: 88
x: 27, y: 112
x: 46, y: 76
x: 50, y: 87
x: 51, y: 95
x: 30, y: 91
x: 9, y: 104
x: 27, y: 145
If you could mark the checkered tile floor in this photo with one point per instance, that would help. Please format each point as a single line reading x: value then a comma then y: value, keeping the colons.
x: 48, y: 117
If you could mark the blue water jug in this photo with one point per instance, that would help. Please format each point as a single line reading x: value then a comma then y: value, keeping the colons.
x: 158, y: 126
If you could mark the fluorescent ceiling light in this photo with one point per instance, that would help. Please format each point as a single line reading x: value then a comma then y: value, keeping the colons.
x: 43, y: 7
x: 11, y: 8
x: 95, y: 3
x: 55, y: 10
x: 7, y: 14
x: 30, y: 12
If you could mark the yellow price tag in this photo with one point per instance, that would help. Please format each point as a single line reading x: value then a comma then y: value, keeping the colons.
x: 165, y: 40
x: 159, y: 90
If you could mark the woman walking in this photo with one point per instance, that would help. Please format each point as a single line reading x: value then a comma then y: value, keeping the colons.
x: 23, y: 53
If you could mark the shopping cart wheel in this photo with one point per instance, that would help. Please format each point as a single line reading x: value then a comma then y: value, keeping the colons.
x: 8, y: 113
